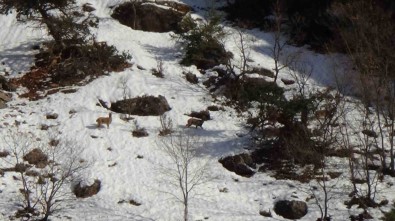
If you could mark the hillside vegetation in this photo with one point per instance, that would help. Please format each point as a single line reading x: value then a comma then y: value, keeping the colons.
x: 197, y: 110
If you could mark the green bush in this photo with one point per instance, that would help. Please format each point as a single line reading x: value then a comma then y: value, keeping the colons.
x: 201, y: 42
x: 390, y: 216
x: 80, y: 61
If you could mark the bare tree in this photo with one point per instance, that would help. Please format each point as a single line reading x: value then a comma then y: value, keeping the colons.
x: 326, y: 190
x: 301, y: 73
x: 185, y: 173
x: 166, y: 125
x: 46, y: 185
x: 19, y: 144
x: 60, y: 17
x: 64, y: 167
x: 243, y: 44
x: 279, y: 44
x: 359, y: 145
x: 327, y: 141
x: 368, y: 40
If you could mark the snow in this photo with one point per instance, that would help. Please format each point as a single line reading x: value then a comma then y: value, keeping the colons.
x: 139, y: 178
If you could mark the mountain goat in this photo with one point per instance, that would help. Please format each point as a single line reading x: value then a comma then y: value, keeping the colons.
x: 104, y: 120
x: 195, y: 121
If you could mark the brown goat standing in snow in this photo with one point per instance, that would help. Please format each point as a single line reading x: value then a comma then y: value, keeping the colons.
x: 195, y: 121
x: 104, y: 120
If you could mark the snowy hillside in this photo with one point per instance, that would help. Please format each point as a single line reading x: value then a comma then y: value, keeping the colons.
x: 131, y: 168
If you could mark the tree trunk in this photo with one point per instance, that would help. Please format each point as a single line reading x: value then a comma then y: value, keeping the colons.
x: 186, y: 210
x: 47, y: 20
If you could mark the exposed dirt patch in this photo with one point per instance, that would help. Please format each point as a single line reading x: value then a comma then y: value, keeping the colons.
x: 35, y: 82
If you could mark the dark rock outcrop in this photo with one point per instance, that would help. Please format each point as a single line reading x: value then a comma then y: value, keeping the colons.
x: 150, y: 16
x: 142, y: 106
x: 240, y: 164
x: 291, y: 209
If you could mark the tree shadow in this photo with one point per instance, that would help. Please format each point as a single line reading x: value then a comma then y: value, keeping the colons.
x: 216, y: 143
x: 164, y: 53
x: 20, y: 58
x: 322, y: 64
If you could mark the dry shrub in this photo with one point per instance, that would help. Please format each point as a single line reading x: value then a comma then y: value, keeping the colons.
x: 70, y: 65
x: 36, y: 157
x: 166, y: 125
x: 158, y: 72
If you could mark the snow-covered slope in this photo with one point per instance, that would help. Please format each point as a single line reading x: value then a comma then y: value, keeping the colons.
x: 139, y: 178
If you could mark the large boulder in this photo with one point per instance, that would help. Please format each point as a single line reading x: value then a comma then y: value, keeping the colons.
x: 291, y: 209
x: 240, y: 164
x: 150, y: 16
x: 142, y: 106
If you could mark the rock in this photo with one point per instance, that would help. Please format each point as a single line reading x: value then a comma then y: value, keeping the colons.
x: 140, y: 133
x: 263, y: 72
x: 2, y: 104
x: 191, y: 78
x: 52, y: 116
x: 239, y: 164
x: 44, y: 127
x: 142, y: 106
x: 87, y: 7
x: 265, y: 213
x: 141, y: 67
x: 287, y: 81
x: 4, y: 153
x: 214, y: 108
x: 5, y: 96
x: 149, y: 17
x: 87, y: 191
x: 290, y: 209
x: 370, y: 133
